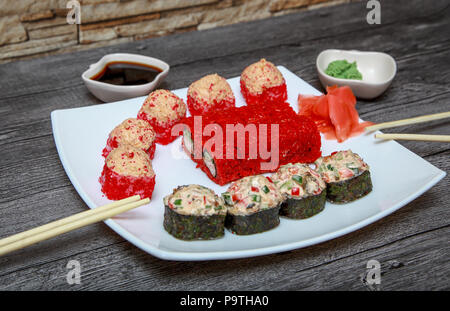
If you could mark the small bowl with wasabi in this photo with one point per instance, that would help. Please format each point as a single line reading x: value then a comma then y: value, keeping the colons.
x: 368, y: 74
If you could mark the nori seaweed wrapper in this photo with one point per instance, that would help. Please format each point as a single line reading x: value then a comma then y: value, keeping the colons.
x: 191, y: 227
x: 303, y: 207
x: 349, y: 190
x: 254, y: 223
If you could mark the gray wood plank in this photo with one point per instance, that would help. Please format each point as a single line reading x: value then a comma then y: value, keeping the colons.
x: 416, y: 262
x: 292, y: 54
x: 397, y: 102
x: 36, y: 76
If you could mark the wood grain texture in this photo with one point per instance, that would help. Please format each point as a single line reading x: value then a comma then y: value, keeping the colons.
x: 411, y: 244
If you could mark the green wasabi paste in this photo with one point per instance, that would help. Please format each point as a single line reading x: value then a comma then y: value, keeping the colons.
x: 342, y: 69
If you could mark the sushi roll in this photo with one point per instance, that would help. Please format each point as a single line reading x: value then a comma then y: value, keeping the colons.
x: 304, y: 192
x: 253, y: 204
x: 194, y: 212
x: 163, y: 109
x: 297, y: 140
x: 127, y: 171
x: 132, y: 131
x: 211, y: 92
x: 262, y: 83
x: 346, y: 174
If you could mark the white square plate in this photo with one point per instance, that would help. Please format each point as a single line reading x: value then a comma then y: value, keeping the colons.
x: 80, y: 135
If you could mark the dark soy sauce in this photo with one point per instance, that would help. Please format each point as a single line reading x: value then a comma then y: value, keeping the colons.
x: 127, y: 73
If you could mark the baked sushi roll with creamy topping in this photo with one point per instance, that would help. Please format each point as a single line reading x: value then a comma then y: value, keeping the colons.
x: 138, y: 133
x: 127, y: 171
x: 262, y: 83
x: 163, y: 109
x: 212, y: 92
x: 194, y: 212
x: 304, y: 192
x: 253, y: 204
x: 346, y: 174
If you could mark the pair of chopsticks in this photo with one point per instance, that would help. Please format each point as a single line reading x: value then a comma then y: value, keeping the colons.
x: 421, y: 119
x: 52, y: 229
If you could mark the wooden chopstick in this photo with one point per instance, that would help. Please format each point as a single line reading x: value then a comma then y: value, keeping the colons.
x: 422, y: 137
x: 67, y: 224
x: 425, y: 118
x: 66, y: 220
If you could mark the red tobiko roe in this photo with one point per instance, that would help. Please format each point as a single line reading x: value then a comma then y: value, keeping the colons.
x: 112, y: 144
x: 272, y: 95
x: 262, y: 83
x: 298, y: 140
x: 137, y: 133
x: 197, y: 108
x: 211, y: 92
x: 127, y: 171
x: 163, y: 131
x: 118, y: 187
x: 163, y: 109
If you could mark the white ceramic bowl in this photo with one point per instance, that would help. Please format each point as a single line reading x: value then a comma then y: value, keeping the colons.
x: 378, y: 71
x: 109, y: 92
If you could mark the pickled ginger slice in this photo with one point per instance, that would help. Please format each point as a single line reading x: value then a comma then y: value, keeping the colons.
x: 335, y: 113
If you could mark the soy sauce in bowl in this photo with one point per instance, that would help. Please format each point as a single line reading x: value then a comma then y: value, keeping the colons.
x: 127, y: 73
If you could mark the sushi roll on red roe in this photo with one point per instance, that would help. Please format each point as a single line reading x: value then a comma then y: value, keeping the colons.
x: 253, y: 204
x: 303, y: 190
x: 211, y: 92
x: 132, y: 131
x: 346, y: 174
x: 127, y: 171
x: 262, y: 83
x: 194, y: 212
x: 163, y: 109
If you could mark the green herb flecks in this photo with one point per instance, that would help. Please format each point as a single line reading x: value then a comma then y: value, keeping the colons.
x: 227, y: 198
x: 256, y: 198
x: 349, y: 190
x: 287, y: 185
x: 352, y: 166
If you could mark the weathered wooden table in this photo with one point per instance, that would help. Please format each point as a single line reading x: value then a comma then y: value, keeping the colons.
x: 412, y: 244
